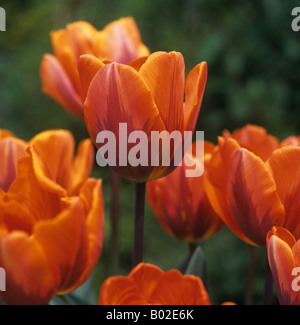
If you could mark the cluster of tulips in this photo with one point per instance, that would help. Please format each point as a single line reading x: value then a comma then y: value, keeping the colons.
x: 52, y: 212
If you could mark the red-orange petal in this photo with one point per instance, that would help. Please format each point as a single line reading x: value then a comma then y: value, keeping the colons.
x: 257, y: 140
x: 146, y: 277
x: 81, y: 166
x: 64, y: 53
x: 117, y: 94
x: 29, y: 279
x: 252, y: 196
x: 215, y: 183
x: 81, y: 37
x: 120, y: 290
x: 181, y: 204
x: 284, y: 165
x: 33, y: 182
x: 5, y: 133
x: 58, y: 85
x: 91, y: 197
x: 292, y: 140
x: 132, y: 290
x: 282, y: 262
x: 137, y: 63
x: 194, y: 91
x: 11, y: 149
x: 54, y: 150
x: 53, y: 154
x: 61, y: 241
x: 120, y: 41
x: 148, y: 284
x: 88, y: 66
x: 176, y: 289
x: 164, y: 75
x: 129, y: 24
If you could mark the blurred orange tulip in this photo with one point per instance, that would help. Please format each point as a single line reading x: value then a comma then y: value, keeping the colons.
x: 51, y: 216
x: 148, y: 95
x: 147, y: 284
x: 292, y: 140
x: 119, y: 41
x: 181, y: 204
x: 284, y: 260
x: 255, y: 189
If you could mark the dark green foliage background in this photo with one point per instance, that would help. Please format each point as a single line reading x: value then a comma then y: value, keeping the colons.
x: 253, y: 61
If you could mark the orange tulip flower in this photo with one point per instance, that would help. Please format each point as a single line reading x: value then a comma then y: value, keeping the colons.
x: 69, y: 172
x: 181, y: 204
x: 292, y: 140
x: 148, y: 95
x: 253, y: 191
x: 284, y: 260
x: 11, y: 149
x: 119, y: 41
x: 51, y: 222
x: 147, y: 284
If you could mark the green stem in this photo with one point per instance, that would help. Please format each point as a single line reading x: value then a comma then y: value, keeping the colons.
x: 114, y: 221
x: 192, y: 248
x: 137, y: 255
x: 251, y: 273
x: 268, y: 290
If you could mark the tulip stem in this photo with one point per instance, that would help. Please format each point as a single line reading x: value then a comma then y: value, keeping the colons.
x: 114, y: 221
x: 192, y: 248
x: 137, y: 256
x: 268, y: 290
x: 251, y: 274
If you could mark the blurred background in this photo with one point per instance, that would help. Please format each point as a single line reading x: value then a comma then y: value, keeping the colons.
x: 253, y: 58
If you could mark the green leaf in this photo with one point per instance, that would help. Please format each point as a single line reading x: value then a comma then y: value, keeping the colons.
x: 197, y: 266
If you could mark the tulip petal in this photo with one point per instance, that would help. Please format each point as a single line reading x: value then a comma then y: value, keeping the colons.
x: 146, y: 277
x: 29, y: 185
x: 11, y: 149
x: 194, y: 90
x: 176, y: 289
x: 282, y: 262
x: 5, y: 133
x: 65, y: 55
x: 61, y: 240
x: 120, y: 290
x: 120, y: 42
x: 15, y: 216
x: 120, y: 87
x: 284, y: 165
x: 282, y: 233
x: 181, y: 205
x: 57, y: 84
x: 81, y: 35
x: 28, y: 280
x: 215, y: 183
x: 166, y: 288
x: 138, y: 63
x: 88, y: 66
x: 129, y: 24
x: 53, y: 155
x: 93, y: 204
x: 82, y: 165
x: 164, y: 74
x: 252, y: 196
x: 296, y: 253
x: 132, y: 290
x: 291, y: 141
x: 255, y: 139
x: 164, y: 208
x: 54, y: 149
